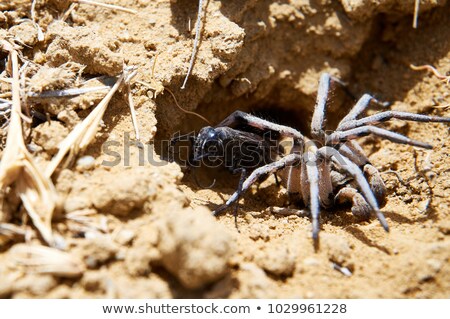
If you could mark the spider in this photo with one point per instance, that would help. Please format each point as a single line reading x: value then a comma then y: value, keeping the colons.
x: 322, y: 171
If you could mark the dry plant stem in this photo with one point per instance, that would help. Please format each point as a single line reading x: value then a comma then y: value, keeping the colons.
x: 157, y: 88
x: 133, y: 113
x: 33, y: 18
x: 105, y: 5
x: 45, y: 260
x: 12, y: 230
x: 186, y: 111
x: 67, y: 92
x: 83, y: 133
x: 197, y: 36
x: 68, y: 12
x: 416, y: 13
x: 17, y: 166
x: 432, y: 69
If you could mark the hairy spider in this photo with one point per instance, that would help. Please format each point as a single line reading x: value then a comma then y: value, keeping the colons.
x: 323, y: 170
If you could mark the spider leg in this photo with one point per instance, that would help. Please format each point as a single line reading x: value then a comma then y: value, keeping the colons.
x: 354, y: 171
x: 277, y: 181
x: 361, y: 105
x: 314, y: 205
x: 360, y: 207
x: 326, y: 194
x: 257, y: 174
x: 354, y: 152
x: 376, y: 183
x: 242, y: 118
x: 318, y: 118
x: 317, y: 122
x: 386, y: 116
x: 291, y: 176
x: 340, y: 136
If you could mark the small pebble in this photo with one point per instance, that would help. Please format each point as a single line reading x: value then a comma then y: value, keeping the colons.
x: 85, y: 163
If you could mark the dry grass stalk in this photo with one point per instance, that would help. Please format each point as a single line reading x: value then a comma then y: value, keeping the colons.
x: 196, y: 40
x: 82, y: 134
x: 186, y: 111
x: 105, y: 5
x: 85, y: 221
x: 416, y: 13
x: 67, y: 92
x: 46, y: 260
x: 427, y: 67
x: 17, y: 166
x: 36, y: 25
x: 133, y: 113
x: 12, y: 230
x: 151, y: 87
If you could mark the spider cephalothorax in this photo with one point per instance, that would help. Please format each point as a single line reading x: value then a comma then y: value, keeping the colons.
x: 326, y: 169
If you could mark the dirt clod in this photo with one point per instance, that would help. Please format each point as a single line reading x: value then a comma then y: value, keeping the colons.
x: 97, y: 251
x: 253, y: 282
x: 194, y: 247
x: 83, y: 46
x: 48, y: 135
x: 277, y: 261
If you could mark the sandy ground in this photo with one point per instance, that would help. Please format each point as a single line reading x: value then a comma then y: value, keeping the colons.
x: 143, y: 229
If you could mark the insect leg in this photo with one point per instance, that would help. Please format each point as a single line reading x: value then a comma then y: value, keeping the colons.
x: 239, y: 191
x: 177, y: 137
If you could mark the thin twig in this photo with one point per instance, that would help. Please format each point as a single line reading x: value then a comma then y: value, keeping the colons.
x: 285, y: 211
x: 443, y: 107
x: 36, y: 25
x: 158, y: 88
x: 197, y: 36
x: 11, y: 230
x: 186, y: 111
x: 132, y: 109
x: 422, y: 173
x: 343, y: 270
x: 67, y: 92
x: 416, y: 13
x: 400, y: 179
x: 105, y: 5
x: 176, y: 102
x: 428, y: 67
x: 68, y: 11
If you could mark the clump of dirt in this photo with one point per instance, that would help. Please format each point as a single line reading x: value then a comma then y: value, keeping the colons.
x: 142, y: 227
x: 83, y: 46
x: 361, y: 9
